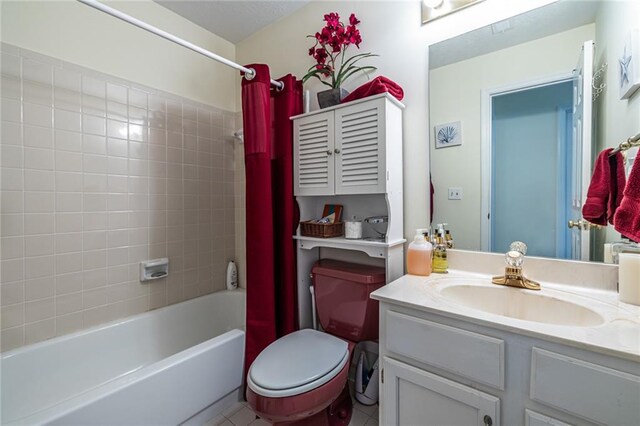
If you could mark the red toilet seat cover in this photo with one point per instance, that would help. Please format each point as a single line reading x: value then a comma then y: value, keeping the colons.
x: 297, y: 362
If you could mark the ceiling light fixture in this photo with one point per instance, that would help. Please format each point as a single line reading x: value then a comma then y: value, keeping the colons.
x: 434, y: 9
x: 433, y: 4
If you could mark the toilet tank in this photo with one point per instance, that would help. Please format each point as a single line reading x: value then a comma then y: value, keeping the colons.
x: 342, y: 298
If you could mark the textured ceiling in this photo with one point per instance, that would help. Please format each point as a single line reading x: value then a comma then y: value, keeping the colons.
x: 551, y: 19
x: 233, y: 20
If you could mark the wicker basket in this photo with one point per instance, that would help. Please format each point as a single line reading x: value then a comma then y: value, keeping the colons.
x: 321, y: 230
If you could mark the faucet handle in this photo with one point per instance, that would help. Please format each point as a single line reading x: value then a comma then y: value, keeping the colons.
x: 514, y: 259
x: 518, y: 246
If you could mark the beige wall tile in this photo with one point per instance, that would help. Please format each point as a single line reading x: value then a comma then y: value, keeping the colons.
x: 98, y: 175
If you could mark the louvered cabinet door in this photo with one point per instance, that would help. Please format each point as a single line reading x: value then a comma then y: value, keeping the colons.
x: 314, y: 169
x: 359, y: 152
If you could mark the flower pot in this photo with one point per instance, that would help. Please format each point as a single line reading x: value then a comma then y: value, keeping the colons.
x: 331, y: 97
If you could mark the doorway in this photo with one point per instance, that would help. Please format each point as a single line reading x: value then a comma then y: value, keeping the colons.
x: 530, y: 174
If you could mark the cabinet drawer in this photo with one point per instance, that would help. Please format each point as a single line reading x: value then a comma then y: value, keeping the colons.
x: 531, y: 418
x: 584, y: 389
x: 471, y: 355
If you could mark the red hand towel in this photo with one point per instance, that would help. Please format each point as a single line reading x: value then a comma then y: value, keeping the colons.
x: 378, y: 85
x: 595, y: 207
x: 627, y: 217
x: 617, y: 184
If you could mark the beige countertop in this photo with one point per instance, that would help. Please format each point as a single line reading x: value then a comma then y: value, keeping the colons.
x: 618, y: 334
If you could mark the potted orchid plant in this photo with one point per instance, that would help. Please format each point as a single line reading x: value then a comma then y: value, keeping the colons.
x: 332, y: 67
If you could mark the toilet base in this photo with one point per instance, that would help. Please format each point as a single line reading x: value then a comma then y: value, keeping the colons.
x: 338, y: 413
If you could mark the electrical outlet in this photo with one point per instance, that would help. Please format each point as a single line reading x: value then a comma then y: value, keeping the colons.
x: 455, y: 193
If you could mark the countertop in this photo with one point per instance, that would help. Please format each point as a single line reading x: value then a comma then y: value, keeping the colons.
x: 618, y: 335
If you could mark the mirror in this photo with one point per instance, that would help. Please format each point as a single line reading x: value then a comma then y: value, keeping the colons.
x: 504, y: 106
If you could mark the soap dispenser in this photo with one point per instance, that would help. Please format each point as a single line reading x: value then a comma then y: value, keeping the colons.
x: 448, y: 239
x: 440, y: 262
x: 419, y: 254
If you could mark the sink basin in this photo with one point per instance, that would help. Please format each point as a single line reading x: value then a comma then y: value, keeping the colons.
x: 521, y: 304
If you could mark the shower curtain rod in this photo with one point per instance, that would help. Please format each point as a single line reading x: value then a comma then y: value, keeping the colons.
x: 250, y: 73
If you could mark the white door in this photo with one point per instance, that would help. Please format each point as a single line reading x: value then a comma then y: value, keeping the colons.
x: 359, y: 150
x: 581, y: 173
x: 313, y: 152
x: 416, y: 397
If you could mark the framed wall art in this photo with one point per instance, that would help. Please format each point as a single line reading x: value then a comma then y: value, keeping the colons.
x: 629, y: 65
x: 448, y: 134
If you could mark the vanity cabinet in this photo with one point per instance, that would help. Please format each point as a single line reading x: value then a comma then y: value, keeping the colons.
x: 438, y: 369
x: 350, y: 149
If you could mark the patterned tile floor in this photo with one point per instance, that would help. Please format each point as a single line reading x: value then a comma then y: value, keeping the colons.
x: 242, y: 415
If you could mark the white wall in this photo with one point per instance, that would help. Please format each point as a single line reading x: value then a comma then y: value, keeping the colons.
x: 456, y: 96
x: 79, y: 34
x: 616, y: 119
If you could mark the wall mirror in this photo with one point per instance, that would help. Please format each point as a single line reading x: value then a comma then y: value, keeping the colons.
x: 516, y: 120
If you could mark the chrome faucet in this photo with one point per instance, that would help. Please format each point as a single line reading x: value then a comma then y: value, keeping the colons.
x: 513, y: 276
x: 623, y: 247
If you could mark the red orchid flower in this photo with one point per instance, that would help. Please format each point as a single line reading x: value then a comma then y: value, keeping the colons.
x: 331, y: 43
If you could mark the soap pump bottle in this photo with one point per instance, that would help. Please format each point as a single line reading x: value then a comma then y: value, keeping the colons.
x: 440, y: 262
x: 419, y: 255
x: 448, y: 239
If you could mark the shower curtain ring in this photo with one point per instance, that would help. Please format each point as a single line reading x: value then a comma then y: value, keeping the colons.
x: 250, y: 75
x: 281, y: 87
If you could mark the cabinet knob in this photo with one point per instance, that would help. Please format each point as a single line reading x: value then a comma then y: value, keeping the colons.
x: 487, y: 420
x: 337, y: 150
x: 329, y: 152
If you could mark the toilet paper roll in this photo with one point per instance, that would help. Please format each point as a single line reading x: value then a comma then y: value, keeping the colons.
x: 353, y: 230
x: 629, y: 278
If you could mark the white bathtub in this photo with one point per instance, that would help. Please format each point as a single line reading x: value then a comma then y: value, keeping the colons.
x: 160, y: 367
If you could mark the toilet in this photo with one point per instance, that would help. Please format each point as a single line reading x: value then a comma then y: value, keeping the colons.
x: 301, y: 378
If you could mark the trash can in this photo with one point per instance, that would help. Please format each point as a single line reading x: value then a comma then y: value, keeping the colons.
x: 367, y: 374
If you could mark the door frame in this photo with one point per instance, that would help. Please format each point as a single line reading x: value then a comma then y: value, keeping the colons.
x: 486, y: 112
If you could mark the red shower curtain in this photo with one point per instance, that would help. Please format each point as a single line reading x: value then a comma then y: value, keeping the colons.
x: 271, y: 211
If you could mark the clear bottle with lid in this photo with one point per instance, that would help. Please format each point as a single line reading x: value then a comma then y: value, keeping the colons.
x: 448, y: 239
x: 419, y: 255
x: 440, y: 262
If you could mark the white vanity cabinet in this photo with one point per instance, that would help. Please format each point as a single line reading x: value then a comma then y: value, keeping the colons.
x: 441, y: 370
x: 348, y: 149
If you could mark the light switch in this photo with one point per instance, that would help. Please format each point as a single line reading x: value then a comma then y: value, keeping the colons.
x: 455, y: 193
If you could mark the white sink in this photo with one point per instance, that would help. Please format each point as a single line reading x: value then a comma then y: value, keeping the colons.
x: 521, y: 304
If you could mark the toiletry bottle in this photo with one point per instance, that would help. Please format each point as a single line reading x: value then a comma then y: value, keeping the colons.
x: 419, y: 255
x: 448, y: 239
x: 232, y: 276
x: 440, y: 263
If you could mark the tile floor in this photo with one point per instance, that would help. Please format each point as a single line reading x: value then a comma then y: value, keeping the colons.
x: 242, y: 415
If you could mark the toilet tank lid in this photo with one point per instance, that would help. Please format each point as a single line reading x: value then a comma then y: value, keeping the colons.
x: 297, y: 359
x: 364, y: 274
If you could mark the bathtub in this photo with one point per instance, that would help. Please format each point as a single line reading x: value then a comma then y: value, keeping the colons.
x: 177, y: 364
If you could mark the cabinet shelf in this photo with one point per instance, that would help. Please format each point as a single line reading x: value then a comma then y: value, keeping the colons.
x: 372, y: 248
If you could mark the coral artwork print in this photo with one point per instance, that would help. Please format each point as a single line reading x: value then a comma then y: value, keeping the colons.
x: 448, y: 134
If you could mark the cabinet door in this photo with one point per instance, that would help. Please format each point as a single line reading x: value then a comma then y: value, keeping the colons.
x: 313, y: 164
x: 412, y: 396
x: 360, y: 148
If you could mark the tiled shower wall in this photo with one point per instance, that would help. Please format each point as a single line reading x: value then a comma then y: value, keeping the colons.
x: 98, y: 174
